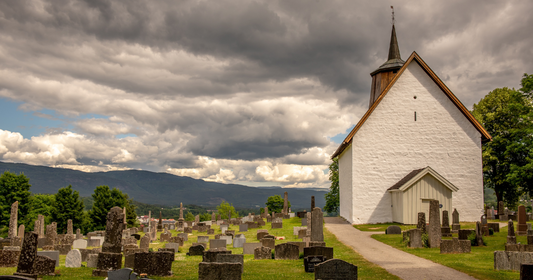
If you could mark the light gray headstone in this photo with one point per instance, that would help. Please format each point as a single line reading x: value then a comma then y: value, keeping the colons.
x: 54, y: 255
x: 92, y: 260
x: 228, y: 239
x: 79, y: 244
x: 217, y: 243
x: 175, y: 246
x: 203, y: 239
x: 248, y: 248
x: 73, y: 258
x: 238, y: 242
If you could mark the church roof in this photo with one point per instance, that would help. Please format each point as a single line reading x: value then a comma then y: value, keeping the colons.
x: 485, y: 136
x: 394, y: 59
x: 416, y: 175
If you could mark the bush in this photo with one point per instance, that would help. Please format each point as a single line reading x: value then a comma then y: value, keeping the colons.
x: 491, y: 231
x: 425, y: 240
x: 473, y: 240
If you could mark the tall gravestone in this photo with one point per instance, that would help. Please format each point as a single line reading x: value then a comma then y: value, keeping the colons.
x: 422, y: 222
x: 70, y: 230
x: 111, y: 258
x: 309, y: 223
x: 51, y: 234
x: 125, y: 220
x: 160, y: 224
x: 445, y: 230
x: 511, y: 237
x: 312, y: 202
x: 37, y: 227
x: 285, y: 203
x: 434, y: 231
x: 21, y: 232
x: 455, y: 221
x: 316, y: 225
x: 41, y: 228
x: 13, y: 220
x: 213, y: 217
x: 501, y: 212
x: 78, y: 234
x: 27, y: 257
x: 521, y: 228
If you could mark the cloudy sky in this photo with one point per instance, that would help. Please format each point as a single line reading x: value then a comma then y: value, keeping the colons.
x: 250, y: 92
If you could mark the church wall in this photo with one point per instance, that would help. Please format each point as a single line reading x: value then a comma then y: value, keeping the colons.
x: 391, y: 144
x: 345, y: 184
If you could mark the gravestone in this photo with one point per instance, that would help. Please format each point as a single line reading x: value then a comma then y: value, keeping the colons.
x: 276, y: 225
x: 302, y: 233
x: 51, y: 234
x: 455, y: 246
x: 393, y: 230
x: 196, y: 250
x: 165, y: 236
x: 483, y: 226
x: 285, y: 210
x: 243, y: 227
x: 54, y: 255
x: 92, y: 260
x: 63, y: 249
x: 421, y: 224
x: 13, y: 221
x: 301, y: 245
x: 70, y: 230
x: 479, y: 234
x: 502, y: 212
x: 262, y: 253
x: 79, y: 235
x: 311, y: 261
x: 304, y: 220
x: 526, y: 271
x: 122, y: 274
x: 464, y: 233
x: 184, y: 236
x: 145, y: 243
x: 434, y: 231
x: 511, y: 237
x: 335, y: 269
x: 268, y: 242
x: 455, y: 221
x: 129, y: 257
x: 308, y: 223
x: 28, y: 253
x: 217, y: 243
x: 154, y: 263
x: 522, y: 226
x: 160, y: 223
x: 73, y: 258
x: 238, y: 242
x: 227, y: 238
x: 93, y: 242
x: 44, y: 265
x: 312, y: 202
x: 79, y: 244
x: 111, y: 258
x: 327, y: 252
x: 219, y: 271
x: 211, y: 254
x: 187, y: 230
x: 223, y: 228
x: 9, y: 258
x: 248, y: 248
x: 174, y: 246
x: 445, y: 229
x: 203, y: 239
x: 415, y: 238
x: 20, y: 233
x: 316, y: 225
x: 286, y: 251
x: 231, y: 258
x: 495, y: 226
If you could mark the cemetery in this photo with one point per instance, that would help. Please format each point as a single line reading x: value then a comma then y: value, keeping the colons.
x: 220, y: 249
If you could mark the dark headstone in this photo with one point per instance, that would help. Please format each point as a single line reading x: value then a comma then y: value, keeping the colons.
x: 415, y: 238
x: 286, y: 251
x: 464, y: 233
x: 63, y: 249
x: 494, y: 226
x: 434, y: 231
x: 455, y: 221
x: 316, y: 225
x: 44, y: 265
x: 335, y: 269
x: 219, y: 271
x: 262, y: 253
x: 28, y: 253
x: 455, y: 246
x: 260, y: 235
x: 393, y: 230
x: 312, y: 202
x: 154, y: 263
x: 422, y: 222
x: 107, y: 261
x: 311, y: 261
x: 327, y: 252
x: 121, y: 274
x: 522, y: 226
x: 445, y: 229
x: 211, y: 254
x: 230, y: 258
x: 511, y: 237
x: 526, y: 271
x: 197, y: 250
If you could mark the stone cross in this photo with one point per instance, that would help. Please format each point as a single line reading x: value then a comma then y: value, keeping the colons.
x: 13, y: 220
x: 316, y: 225
x: 69, y: 227
x: 312, y: 202
x: 434, y: 230
x: 285, y: 203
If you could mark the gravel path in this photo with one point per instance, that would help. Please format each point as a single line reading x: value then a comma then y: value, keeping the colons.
x: 397, y: 262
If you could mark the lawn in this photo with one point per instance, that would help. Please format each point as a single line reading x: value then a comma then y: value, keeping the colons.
x: 382, y: 227
x: 186, y: 267
x: 479, y: 263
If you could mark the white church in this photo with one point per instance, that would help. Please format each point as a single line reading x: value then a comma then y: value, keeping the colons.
x: 417, y: 142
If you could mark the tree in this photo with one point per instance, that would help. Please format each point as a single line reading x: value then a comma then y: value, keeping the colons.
x: 104, y: 200
x: 507, y: 160
x: 67, y: 206
x: 189, y: 217
x: 40, y: 204
x: 14, y: 188
x: 205, y: 217
x: 332, y: 197
x: 275, y: 203
x: 527, y: 85
x: 224, y: 208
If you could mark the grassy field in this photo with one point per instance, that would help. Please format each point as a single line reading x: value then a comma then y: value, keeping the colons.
x: 479, y: 263
x: 186, y: 267
x: 383, y: 227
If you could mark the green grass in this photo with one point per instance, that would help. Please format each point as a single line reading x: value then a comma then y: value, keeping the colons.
x: 186, y: 267
x: 384, y: 226
x: 479, y: 263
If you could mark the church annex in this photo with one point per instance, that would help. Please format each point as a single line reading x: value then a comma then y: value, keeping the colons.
x: 416, y: 142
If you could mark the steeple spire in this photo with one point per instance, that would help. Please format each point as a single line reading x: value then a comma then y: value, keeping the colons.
x: 394, y: 50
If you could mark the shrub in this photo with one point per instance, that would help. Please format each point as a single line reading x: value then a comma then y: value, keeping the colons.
x: 491, y: 231
x: 425, y: 240
x: 473, y: 240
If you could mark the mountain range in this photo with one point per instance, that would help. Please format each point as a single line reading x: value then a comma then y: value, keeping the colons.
x: 159, y: 188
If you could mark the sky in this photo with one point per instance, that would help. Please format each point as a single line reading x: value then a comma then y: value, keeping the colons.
x: 259, y: 93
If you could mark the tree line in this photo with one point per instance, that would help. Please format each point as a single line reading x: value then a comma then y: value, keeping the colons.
x: 65, y: 205
x: 507, y: 115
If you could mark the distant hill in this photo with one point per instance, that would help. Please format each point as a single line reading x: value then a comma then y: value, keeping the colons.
x: 159, y: 188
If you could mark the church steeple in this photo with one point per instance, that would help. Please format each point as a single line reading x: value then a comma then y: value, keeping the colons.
x: 386, y: 72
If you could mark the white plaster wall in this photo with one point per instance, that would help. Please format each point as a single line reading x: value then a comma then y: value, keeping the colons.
x: 345, y: 184
x: 391, y: 144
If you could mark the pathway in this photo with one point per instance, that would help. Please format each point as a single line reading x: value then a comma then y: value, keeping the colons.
x: 397, y: 262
